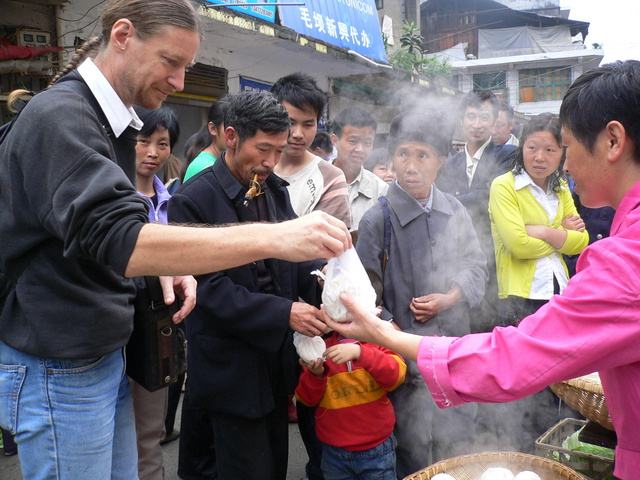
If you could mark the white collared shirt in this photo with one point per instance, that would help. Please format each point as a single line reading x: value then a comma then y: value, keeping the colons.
x: 472, y: 161
x: 363, y: 194
x: 513, y: 140
x: 118, y: 115
x: 551, y: 265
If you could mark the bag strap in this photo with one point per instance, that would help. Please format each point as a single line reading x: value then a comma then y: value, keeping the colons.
x: 155, y: 292
x: 387, y: 232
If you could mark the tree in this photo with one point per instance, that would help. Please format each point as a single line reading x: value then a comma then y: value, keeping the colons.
x: 412, y: 56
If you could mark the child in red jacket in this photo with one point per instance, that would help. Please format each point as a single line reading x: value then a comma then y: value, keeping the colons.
x: 354, y: 418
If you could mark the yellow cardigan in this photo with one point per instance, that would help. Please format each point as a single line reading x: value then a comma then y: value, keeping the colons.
x: 516, y: 252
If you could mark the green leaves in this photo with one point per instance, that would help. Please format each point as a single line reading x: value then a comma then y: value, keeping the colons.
x: 412, y: 56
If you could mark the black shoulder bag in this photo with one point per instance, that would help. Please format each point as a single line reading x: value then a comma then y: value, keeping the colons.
x: 157, y: 349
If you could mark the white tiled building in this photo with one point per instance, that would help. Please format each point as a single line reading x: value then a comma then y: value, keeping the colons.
x: 527, y: 58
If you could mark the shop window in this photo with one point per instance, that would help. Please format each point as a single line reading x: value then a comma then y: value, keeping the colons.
x: 544, y: 84
x: 490, y: 81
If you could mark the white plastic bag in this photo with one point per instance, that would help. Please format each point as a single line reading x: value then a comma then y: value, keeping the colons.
x: 309, y: 348
x: 345, y: 273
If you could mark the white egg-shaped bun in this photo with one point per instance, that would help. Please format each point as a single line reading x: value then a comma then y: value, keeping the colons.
x: 442, y: 476
x: 527, y: 475
x: 497, y: 473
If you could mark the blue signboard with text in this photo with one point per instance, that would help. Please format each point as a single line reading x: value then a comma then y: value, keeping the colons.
x: 253, y: 85
x: 351, y: 24
x: 262, y: 9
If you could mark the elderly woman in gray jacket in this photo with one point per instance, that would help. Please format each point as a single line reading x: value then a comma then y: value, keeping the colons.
x: 429, y: 272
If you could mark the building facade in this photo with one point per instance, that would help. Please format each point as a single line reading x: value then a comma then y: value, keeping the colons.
x: 241, y: 50
x: 526, y: 58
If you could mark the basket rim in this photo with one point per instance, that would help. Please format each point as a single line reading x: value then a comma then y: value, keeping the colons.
x: 587, y: 397
x: 590, y: 383
x: 498, y: 456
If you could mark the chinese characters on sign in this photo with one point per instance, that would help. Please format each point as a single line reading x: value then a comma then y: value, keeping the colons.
x: 351, y: 24
x: 247, y: 85
x: 261, y: 10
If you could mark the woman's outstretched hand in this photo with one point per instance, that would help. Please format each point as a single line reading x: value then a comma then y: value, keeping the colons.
x: 366, y: 327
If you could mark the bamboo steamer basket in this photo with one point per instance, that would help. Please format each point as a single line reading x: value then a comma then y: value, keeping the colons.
x: 585, y: 395
x: 472, y: 466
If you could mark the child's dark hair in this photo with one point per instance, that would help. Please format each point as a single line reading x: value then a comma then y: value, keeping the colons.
x: 379, y: 156
x: 301, y: 91
x: 545, y: 122
x: 355, y: 117
x: 428, y: 128
x: 322, y: 140
x: 160, y: 117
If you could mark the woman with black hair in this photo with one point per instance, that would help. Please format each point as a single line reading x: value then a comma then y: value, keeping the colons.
x: 208, y: 142
x: 533, y: 222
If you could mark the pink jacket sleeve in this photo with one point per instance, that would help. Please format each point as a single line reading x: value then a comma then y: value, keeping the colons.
x: 592, y: 326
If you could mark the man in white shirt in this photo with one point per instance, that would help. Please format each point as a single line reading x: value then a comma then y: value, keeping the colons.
x: 314, y: 184
x: 354, y: 133
x: 468, y: 175
x: 503, y: 128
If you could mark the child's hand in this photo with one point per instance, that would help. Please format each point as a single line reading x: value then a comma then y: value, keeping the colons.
x: 343, y: 352
x: 315, y: 366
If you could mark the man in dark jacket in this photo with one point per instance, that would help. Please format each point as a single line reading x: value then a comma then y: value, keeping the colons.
x: 241, y: 362
x: 468, y: 175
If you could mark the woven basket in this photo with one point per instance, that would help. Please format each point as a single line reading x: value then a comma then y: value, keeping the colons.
x: 471, y: 467
x: 585, y: 395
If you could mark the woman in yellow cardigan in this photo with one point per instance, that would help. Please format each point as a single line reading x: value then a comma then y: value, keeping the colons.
x: 534, y: 221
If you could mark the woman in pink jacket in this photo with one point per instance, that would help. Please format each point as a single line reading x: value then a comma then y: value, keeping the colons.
x: 594, y: 325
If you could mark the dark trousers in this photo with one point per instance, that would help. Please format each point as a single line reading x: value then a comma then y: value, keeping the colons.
x: 307, y: 427
x: 197, y: 456
x: 174, y: 399
x: 512, y: 310
x: 252, y: 449
x: 10, y: 446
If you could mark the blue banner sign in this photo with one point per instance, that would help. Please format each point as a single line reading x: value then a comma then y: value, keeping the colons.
x: 252, y: 85
x: 351, y: 24
x: 262, y: 9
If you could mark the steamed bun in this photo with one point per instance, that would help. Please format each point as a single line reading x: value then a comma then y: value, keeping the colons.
x: 497, y: 473
x: 527, y: 475
x: 442, y: 476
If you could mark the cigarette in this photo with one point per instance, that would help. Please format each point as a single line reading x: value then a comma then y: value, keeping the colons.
x: 253, y: 191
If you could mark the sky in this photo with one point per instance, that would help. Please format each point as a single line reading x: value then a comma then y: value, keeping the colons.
x: 614, y: 24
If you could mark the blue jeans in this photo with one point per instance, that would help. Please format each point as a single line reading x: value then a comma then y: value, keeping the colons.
x: 73, y: 419
x: 377, y: 463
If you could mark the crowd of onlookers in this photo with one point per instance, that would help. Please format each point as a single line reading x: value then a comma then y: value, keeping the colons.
x: 454, y: 242
x: 469, y: 252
